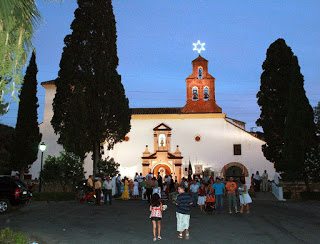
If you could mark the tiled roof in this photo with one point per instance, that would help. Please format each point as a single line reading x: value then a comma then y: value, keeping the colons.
x: 49, y: 82
x: 156, y: 110
x: 199, y: 59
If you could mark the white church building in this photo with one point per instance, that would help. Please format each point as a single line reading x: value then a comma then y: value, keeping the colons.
x: 165, y: 139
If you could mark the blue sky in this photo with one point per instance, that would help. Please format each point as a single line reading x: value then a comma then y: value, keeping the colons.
x: 155, y: 48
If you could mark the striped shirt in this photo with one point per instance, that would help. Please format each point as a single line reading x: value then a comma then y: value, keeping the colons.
x: 183, y: 201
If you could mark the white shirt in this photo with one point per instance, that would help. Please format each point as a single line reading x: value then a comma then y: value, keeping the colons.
x: 186, y: 184
x: 257, y: 177
x: 107, y: 185
x: 140, y: 179
x: 265, y: 176
x: 194, y: 188
x: 118, y: 180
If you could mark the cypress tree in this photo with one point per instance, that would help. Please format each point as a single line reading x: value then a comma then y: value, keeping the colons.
x: 300, y: 130
x: 272, y: 99
x: 90, y: 105
x: 27, y: 135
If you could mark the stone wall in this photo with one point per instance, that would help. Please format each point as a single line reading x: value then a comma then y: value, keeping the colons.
x: 293, y: 190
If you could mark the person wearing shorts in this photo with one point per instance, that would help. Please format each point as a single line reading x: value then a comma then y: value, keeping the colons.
x: 231, y: 187
x: 183, y: 202
x: 156, y: 209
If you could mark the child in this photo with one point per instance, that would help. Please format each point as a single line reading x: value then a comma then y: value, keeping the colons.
x: 156, y: 209
x: 202, y: 197
x: 245, y: 198
x: 183, y: 202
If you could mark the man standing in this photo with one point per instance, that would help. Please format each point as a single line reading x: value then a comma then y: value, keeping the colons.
x: 90, y: 183
x: 264, y: 177
x: 136, y: 177
x: 219, y: 192
x: 149, y: 175
x: 160, y: 184
x: 257, y: 180
x: 107, y: 190
x: 194, y: 191
x: 231, y: 187
x: 149, y: 185
x: 118, y: 185
x: 98, y: 188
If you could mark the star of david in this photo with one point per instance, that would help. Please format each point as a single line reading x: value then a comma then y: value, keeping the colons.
x: 199, y: 49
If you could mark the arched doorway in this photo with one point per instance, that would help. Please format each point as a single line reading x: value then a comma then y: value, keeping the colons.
x: 162, y: 169
x: 236, y: 170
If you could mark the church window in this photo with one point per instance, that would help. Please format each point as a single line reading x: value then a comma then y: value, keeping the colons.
x: 200, y: 73
x: 197, y: 138
x: 162, y: 140
x: 236, y: 149
x: 206, y: 93
x: 195, y: 95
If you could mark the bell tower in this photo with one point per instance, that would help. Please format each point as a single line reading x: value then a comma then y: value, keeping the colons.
x: 201, y: 89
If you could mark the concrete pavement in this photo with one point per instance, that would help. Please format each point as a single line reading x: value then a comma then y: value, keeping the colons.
x: 128, y: 222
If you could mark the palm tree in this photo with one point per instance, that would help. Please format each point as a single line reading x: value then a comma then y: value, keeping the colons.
x: 18, y: 21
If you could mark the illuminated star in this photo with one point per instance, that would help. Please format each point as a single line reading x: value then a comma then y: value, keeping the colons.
x: 199, y: 49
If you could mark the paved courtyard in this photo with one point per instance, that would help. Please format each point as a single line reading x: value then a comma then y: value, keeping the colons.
x: 128, y: 222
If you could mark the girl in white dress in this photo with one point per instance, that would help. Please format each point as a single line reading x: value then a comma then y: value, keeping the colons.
x: 244, y: 196
x: 135, y: 189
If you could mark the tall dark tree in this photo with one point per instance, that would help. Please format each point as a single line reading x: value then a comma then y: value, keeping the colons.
x: 300, y: 130
x: 316, y: 112
x: 273, y: 100
x: 90, y: 105
x: 27, y: 136
x: 6, y: 141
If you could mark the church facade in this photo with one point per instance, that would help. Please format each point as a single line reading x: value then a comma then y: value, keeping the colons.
x: 164, y: 139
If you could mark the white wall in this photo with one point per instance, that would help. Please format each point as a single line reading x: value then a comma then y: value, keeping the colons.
x: 214, y: 150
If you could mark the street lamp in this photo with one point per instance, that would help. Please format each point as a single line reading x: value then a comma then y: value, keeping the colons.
x: 42, y: 148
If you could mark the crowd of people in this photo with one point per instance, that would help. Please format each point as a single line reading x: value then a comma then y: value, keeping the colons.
x: 206, y: 192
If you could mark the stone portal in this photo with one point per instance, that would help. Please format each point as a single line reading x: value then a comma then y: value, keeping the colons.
x: 162, y: 160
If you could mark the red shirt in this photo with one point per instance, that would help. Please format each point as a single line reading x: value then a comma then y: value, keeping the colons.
x: 202, y: 192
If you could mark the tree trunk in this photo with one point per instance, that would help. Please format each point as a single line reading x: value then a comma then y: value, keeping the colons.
x: 96, y: 157
x: 21, y: 174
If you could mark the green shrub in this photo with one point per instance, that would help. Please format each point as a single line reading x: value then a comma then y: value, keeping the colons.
x: 7, y: 236
x: 310, y: 195
x: 53, y: 196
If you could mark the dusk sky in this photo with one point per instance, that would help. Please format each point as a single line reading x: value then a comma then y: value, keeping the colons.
x: 155, y: 48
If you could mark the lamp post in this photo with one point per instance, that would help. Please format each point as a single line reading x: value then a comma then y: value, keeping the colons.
x: 42, y: 148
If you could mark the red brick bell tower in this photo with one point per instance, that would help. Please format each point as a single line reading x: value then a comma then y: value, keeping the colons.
x: 201, y: 89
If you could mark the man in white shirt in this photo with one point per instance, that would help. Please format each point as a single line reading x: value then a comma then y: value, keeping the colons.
x: 107, y: 190
x: 136, y: 177
x: 265, y: 181
x: 194, y: 190
x: 257, y: 181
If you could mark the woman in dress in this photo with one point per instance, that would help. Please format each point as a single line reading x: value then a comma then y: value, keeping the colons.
x: 130, y: 188
x: 135, y: 189
x: 125, y: 193
x: 244, y: 196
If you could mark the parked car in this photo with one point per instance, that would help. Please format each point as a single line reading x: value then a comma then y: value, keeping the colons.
x: 13, y: 192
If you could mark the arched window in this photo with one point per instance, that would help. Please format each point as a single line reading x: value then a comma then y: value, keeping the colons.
x: 206, y: 93
x: 162, y: 140
x: 200, y: 73
x: 195, y: 94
